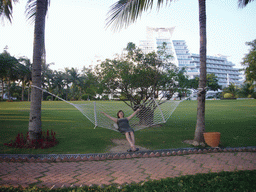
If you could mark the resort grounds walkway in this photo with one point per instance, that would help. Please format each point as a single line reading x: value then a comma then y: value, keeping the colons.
x: 81, y: 172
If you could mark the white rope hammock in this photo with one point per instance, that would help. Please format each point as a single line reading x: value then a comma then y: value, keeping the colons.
x: 150, y: 114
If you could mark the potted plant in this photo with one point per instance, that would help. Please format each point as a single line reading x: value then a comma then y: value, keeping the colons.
x: 212, y: 138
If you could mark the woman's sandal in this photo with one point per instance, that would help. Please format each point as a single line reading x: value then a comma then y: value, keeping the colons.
x: 130, y: 150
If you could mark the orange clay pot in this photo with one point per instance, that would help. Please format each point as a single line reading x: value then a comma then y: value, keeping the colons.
x: 212, y: 138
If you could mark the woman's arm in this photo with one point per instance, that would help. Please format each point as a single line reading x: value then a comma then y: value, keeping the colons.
x: 134, y: 113
x: 108, y: 116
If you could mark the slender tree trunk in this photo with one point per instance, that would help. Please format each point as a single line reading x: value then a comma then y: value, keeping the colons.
x: 200, y: 125
x: 2, y: 89
x: 29, y: 92
x: 67, y: 94
x: 42, y: 95
x: 8, y: 88
x: 22, y: 90
x: 35, y: 129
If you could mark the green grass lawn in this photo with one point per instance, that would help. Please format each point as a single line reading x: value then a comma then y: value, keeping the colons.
x: 235, y: 119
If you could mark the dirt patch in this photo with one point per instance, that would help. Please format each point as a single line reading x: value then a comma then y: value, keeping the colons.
x: 190, y: 142
x: 194, y: 143
x: 121, y: 146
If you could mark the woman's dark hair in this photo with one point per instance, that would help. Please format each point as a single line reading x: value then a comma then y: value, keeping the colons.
x: 119, y: 112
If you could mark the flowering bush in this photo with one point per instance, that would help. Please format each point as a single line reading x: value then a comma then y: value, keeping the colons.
x: 45, y: 142
x: 228, y: 96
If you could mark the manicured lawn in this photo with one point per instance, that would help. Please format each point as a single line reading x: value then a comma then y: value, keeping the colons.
x: 235, y: 119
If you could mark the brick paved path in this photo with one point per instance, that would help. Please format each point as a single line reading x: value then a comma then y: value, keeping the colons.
x: 121, y: 171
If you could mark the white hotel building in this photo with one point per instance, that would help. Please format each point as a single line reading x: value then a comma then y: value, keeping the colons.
x: 219, y: 65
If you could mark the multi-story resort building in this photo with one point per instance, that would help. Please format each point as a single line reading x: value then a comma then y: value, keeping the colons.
x: 218, y: 65
x: 155, y: 37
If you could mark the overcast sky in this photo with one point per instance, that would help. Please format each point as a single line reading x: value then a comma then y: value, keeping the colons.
x: 76, y: 33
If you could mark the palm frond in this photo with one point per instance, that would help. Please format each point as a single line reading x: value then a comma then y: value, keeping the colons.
x: 125, y: 12
x: 6, y: 7
x: 243, y: 3
x: 30, y: 9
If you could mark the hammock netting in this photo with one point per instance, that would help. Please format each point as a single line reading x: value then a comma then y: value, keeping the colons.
x: 151, y: 112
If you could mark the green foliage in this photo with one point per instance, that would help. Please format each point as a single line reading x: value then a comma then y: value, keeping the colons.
x: 49, y: 98
x: 105, y: 97
x: 211, y: 82
x: 139, y: 76
x: 228, y: 96
x: 253, y: 95
x: 247, y: 90
x: 249, y: 61
x: 13, y: 70
x: 71, y: 85
x: 6, y: 9
x: 10, y: 71
x: 85, y: 97
x: 222, y: 182
x: 123, y: 97
x: 232, y: 89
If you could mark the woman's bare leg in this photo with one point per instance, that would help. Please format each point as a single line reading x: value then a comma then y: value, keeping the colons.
x: 132, y: 137
x: 131, y: 142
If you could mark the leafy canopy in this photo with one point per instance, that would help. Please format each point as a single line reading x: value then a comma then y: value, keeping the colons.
x: 250, y: 62
x: 138, y: 76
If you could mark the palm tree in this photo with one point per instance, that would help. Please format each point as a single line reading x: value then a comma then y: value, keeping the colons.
x: 247, y: 89
x: 67, y: 81
x: 25, y: 74
x: 47, y: 75
x: 76, y: 83
x: 124, y: 12
x: 6, y: 9
x: 58, y: 83
x: 36, y: 10
x: 9, y: 70
x: 232, y: 89
x: 243, y: 3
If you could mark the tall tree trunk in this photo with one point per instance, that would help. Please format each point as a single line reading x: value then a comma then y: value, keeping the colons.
x: 8, y: 88
x: 35, y: 129
x: 22, y: 90
x: 29, y: 92
x: 2, y: 89
x: 200, y: 125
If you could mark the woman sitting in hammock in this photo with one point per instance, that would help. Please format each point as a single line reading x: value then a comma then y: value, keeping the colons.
x: 124, y: 127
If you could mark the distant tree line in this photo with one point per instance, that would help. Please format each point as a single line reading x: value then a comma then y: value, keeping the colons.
x: 132, y: 76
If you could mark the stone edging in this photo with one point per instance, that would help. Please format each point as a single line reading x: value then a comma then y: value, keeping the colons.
x: 114, y: 156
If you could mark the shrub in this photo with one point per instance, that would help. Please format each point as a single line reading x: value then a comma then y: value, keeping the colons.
x: 228, y: 96
x: 86, y: 96
x: 105, y: 97
x: 45, y: 142
x: 49, y: 98
x: 253, y: 95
